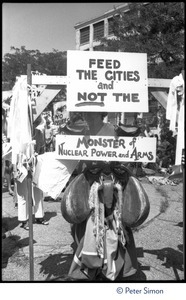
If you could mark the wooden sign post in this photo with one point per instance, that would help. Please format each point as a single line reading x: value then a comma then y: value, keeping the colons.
x: 29, y: 186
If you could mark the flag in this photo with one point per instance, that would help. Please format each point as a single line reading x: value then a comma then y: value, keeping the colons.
x: 20, y: 122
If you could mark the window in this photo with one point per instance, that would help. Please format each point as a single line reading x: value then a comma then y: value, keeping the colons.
x: 84, y: 35
x: 99, y: 30
x: 110, y: 24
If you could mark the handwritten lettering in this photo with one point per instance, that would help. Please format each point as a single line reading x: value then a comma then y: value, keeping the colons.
x: 115, y: 143
x: 137, y: 155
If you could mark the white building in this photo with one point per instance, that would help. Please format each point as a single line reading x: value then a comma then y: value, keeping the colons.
x: 87, y: 32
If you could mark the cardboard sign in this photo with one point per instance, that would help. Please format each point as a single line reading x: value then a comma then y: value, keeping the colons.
x: 107, y: 81
x: 106, y: 148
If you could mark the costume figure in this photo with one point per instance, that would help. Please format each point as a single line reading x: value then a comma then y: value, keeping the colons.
x: 105, y: 245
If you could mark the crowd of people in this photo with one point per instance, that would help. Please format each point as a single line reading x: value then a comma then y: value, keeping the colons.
x: 165, y: 151
x: 46, y: 127
x: 44, y: 135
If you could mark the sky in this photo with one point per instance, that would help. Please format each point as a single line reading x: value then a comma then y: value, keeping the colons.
x: 46, y: 26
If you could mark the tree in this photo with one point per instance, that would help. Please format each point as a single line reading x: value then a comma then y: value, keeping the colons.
x: 15, y: 64
x: 155, y: 28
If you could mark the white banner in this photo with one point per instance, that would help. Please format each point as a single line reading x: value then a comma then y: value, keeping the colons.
x: 106, y: 148
x: 107, y: 81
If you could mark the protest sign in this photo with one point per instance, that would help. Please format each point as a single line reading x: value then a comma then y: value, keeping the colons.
x: 107, y: 81
x: 106, y: 148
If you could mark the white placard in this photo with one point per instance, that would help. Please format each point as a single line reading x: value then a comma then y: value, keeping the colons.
x: 106, y: 148
x: 107, y: 81
x: 21, y: 173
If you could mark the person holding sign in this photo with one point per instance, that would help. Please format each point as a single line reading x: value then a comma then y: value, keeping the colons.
x: 105, y: 247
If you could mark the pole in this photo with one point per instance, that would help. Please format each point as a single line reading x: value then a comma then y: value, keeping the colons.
x: 183, y: 157
x: 183, y: 170
x: 29, y: 186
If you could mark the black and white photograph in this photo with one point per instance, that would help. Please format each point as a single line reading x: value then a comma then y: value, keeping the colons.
x: 93, y: 148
